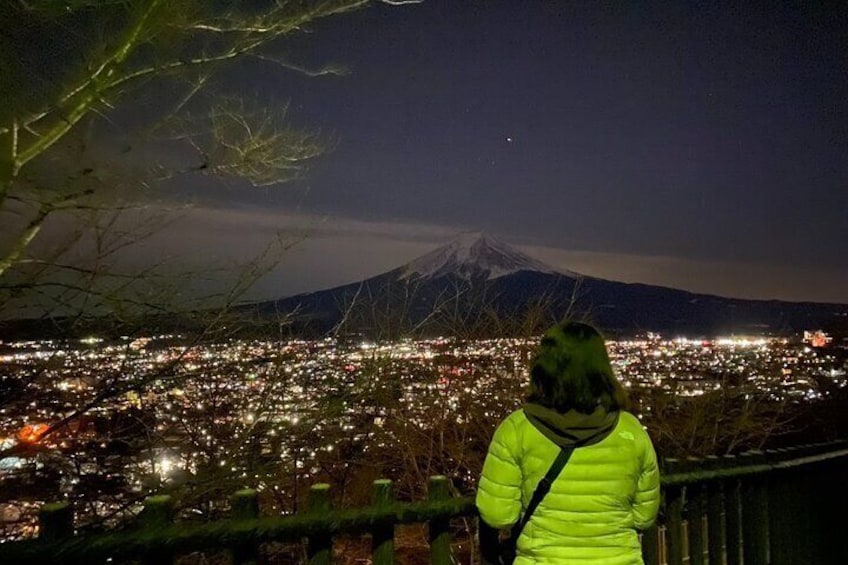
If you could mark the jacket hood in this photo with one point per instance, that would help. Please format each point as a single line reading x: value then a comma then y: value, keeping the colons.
x: 571, y: 428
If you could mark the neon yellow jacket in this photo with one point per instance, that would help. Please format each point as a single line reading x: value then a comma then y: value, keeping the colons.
x: 606, y: 493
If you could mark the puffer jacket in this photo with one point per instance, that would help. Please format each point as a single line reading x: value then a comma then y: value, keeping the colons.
x: 607, y: 492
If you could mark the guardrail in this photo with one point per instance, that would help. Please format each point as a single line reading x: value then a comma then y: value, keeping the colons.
x: 157, y: 539
x: 786, y: 506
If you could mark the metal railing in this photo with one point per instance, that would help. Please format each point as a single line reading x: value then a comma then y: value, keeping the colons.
x: 158, y: 539
x: 784, y: 506
x: 787, y: 506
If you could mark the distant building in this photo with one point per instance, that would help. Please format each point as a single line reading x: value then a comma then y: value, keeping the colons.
x: 817, y: 338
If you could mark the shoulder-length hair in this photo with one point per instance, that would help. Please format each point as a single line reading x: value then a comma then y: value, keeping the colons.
x: 572, y: 370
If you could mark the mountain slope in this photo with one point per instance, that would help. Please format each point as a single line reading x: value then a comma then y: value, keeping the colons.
x: 477, y: 284
x: 473, y: 256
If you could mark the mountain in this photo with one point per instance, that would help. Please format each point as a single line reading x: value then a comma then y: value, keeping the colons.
x: 471, y: 257
x: 477, y: 285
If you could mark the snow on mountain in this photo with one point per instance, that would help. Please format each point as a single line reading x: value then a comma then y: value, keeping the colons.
x: 512, y: 283
x: 473, y: 255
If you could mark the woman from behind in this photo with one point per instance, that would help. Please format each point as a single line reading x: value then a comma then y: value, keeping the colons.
x: 609, y: 487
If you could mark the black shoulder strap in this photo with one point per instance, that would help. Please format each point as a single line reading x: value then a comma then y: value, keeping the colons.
x: 544, y: 487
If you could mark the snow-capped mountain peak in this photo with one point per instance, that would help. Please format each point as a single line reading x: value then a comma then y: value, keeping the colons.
x: 473, y: 255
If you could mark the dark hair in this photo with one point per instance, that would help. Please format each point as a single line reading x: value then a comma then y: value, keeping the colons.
x: 572, y: 370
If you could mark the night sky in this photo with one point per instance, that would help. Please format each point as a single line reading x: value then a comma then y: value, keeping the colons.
x: 696, y: 145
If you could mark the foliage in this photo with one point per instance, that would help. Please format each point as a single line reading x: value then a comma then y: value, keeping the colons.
x: 94, y: 92
x: 107, y: 105
x: 728, y: 420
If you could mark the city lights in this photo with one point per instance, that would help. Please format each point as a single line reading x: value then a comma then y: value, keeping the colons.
x: 304, y: 400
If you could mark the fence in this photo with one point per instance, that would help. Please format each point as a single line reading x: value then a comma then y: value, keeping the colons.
x: 777, y: 507
x: 786, y: 506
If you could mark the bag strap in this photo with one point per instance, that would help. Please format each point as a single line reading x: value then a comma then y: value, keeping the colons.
x: 544, y: 487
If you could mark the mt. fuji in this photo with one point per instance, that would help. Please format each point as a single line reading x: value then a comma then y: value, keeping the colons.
x: 476, y: 284
x: 473, y: 256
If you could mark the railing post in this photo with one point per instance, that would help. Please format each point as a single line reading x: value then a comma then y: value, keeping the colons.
x: 786, y: 521
x: 674, y: 526
x: 382, y: 536
x: 320, y: 547
x: 733, y: 516
x: 755, y: 518
x: 715, y: 515
x: 715, y: 523
x: 440, y: 549
x: 779, y: 497
x: 821, y: 504
x: 835, y: 547
x: 809, y: 485
x: 651, y: 545
x: 244, y: 505
x: 55, y: 521
x: 674, y: 516
x: 695, y: 509
x: 827, y: 507
x: 158, y: 513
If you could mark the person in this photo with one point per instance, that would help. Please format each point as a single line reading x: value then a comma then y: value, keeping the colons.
x: 608, y: 490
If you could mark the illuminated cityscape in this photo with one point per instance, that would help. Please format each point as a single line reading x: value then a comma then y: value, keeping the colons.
x: 231, y: 234
x: 104, y: 423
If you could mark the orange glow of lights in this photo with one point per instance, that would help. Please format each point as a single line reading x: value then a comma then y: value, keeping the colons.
x: 817, y: 338
x: 32, y: 433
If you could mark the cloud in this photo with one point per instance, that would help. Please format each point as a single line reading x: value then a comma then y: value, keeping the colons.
x: 264, y: 223
x: 327, y: 251
x: 725, y: 278
x: 315, y: 252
